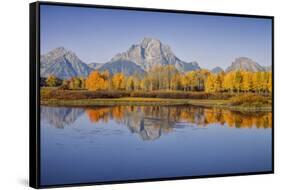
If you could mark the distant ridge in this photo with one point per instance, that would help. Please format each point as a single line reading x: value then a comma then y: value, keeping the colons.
x: 217, y: 70
x: 125, y: 66
x: 95, y: 65
x: 267, y: 68
x: 245, y: 64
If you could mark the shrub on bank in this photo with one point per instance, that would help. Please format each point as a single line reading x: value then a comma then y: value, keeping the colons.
x: 249, y: 100
x: 180, y: 95
x: 76, y: 95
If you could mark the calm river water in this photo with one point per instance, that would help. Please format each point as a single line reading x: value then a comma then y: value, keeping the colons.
x: 80, y: 145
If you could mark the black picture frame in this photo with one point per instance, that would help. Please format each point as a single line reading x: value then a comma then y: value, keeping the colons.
x: 34, y: 93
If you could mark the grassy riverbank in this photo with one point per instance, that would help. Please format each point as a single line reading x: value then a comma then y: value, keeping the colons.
x: 225, y: 104
x: 244, y: 102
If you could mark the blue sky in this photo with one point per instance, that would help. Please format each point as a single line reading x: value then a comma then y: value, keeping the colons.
x: 96, y: 35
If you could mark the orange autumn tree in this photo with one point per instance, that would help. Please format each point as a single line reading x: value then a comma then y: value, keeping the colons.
x: 97, y: 81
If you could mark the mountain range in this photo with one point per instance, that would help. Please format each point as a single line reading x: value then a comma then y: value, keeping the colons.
x: 139, y: 58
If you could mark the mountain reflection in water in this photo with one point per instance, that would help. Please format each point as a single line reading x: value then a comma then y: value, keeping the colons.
x: 149, y: 122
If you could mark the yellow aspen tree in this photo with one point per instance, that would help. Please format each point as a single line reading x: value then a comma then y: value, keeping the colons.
x: 136, y: 83
x: 257, y: 82
x: 52, y: 81
x: 264, y: 80
x: 218, y: 82
x: 238, y: 81
x: 247, y: 83
x: 130, y: 83
x: 118, y: 81
x: 192, y: 80
x: 176, y: 82
x: 184, y: 81
x: 228, y: 83
x: 210, y: 83
x: 201, y: 76
x: 269, y: 84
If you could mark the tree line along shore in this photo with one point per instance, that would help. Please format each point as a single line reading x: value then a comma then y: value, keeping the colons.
x: 234, y: 89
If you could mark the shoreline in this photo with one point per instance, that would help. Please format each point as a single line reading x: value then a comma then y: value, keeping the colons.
x: 132, y: 101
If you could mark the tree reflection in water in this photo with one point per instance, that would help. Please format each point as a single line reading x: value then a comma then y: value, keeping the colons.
x: 152, y: 121
x: 195, y: 115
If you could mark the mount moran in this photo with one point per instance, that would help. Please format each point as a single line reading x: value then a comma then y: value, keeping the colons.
x: 139, y: 58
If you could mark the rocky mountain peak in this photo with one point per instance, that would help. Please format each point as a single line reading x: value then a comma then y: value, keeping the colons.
x: 62, y: 63
x: 59, y: 50
x: 150, y: 41
x: 150, y: 52
x: 245, y: 64
x: 57, y: 53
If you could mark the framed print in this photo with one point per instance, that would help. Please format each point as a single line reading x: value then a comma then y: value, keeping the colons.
x: 121, y: 94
